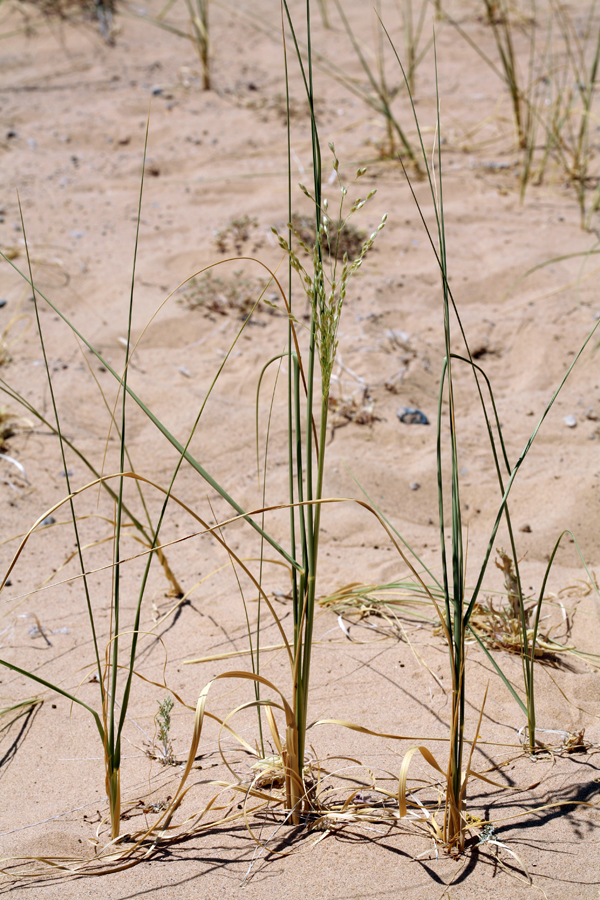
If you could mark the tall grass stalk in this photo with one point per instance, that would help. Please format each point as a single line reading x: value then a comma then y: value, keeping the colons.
x: 324, y: 13
x: 569, y: 133
x: 112, y: 759
x: 377, y: 94
x: 555, y: 99
x: 326, y: 292
x: 146, y: 531
x: 499, y: 18
x: 199, y: 33
x: 502, y: 28
x: 325, y: 287
x: 458, y: 606
x: 382, y: 96
x: 199, y: 21
x: 110, y: 721
x: 412, y: 32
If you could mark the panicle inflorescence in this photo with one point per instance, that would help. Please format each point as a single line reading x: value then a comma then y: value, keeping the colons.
x: 326, y: 287
x: 163, y: 721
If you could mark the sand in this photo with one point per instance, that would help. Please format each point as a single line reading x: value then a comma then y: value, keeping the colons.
x: 73, y: 114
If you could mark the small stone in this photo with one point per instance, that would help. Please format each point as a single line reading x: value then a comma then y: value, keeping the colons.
x: 525, y: 528
x: 570, y: 421
x: 415, y: 486
x: 590, y: 414
x: 49, y: 520
x: 411, y: 416
x: 3, y: 303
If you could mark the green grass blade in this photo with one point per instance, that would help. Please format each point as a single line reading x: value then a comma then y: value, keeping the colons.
x: 159, y: 425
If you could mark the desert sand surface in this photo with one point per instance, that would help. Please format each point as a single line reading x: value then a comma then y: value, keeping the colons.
x: 73, y: 117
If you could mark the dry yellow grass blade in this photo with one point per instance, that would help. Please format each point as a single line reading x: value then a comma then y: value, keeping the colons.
x: 214, y: 531
x: 402, y: 778
x: 231, y: 654
x: 401, y: 737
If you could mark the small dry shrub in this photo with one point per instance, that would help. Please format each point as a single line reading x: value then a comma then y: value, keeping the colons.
x: 344, y: 410
x: 277, y: 106
x: 500, y: 627
x: 100, y: 11
x: 350, y: 239
x: 224, y: 296
x: 236, y: 234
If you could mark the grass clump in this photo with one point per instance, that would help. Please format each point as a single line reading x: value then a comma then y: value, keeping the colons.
x: 237, y: 295
x: 280, y: 106
x: 377, y: 93
x: 552, y: 83
x: 161, y: 748
x: 341, y: 238
x: 100, y: 11
x: 235, y: 234
x: 286, y: 768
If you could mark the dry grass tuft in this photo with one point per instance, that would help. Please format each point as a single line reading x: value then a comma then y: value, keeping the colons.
x: 100, y: 11
x: 347, y: 241
x: 277, y: 106
x: 224, y: 296
x: 501, y: 628
x: 8, y: 423
x: 497, y: 625
x: 236, y: 234
x: 344, y: 410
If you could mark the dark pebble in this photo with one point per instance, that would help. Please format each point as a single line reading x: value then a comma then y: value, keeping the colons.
x: 411, y: 416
